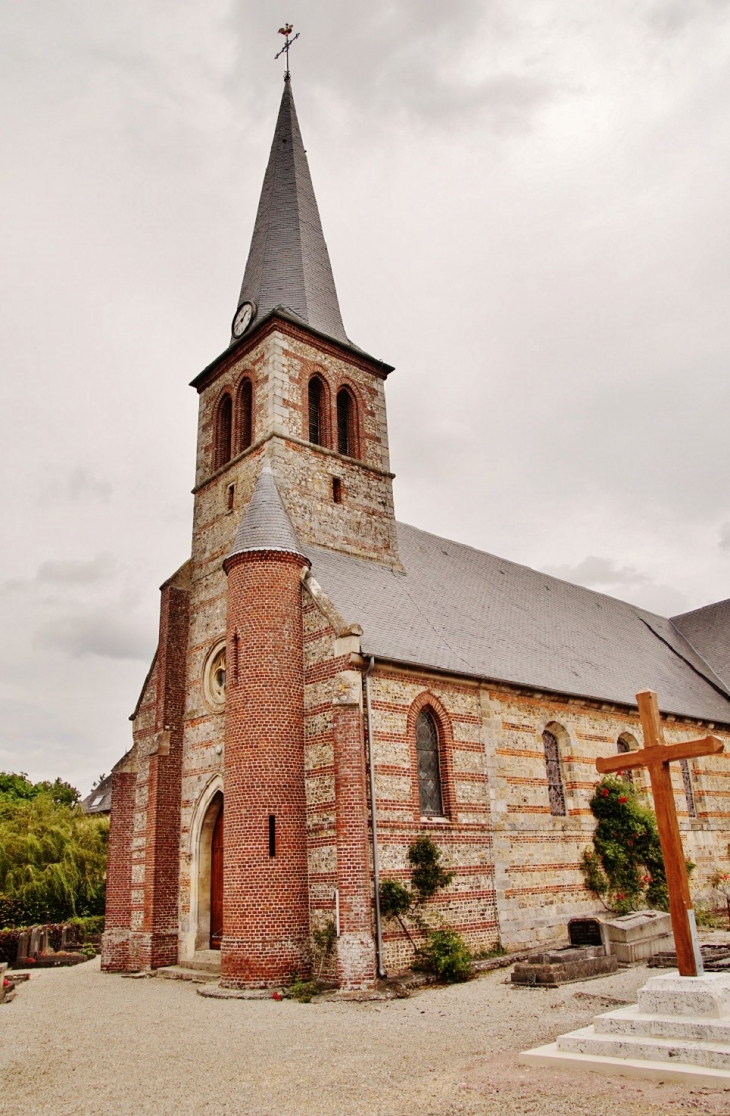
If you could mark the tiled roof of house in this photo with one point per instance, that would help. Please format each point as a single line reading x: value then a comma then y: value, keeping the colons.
x: 460, y: 610
x: 288, y: 263
x: 708, y: 630
x: 99, y: 801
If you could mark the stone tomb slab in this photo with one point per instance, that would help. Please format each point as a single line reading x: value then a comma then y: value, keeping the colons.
x: 678, y: 1031
x: 562, y: 966
x: 634, y: 938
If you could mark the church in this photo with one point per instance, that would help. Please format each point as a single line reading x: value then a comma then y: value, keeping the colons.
x: 330, y: 684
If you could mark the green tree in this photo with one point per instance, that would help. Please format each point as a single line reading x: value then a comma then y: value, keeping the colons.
x: 52, y: 855
x: 625, y: 867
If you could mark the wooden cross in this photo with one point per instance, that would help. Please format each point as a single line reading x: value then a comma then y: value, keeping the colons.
x: 656, y: 756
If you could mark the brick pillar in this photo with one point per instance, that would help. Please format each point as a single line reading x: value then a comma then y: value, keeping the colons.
x: 157, y: 943
x: 355, y: 945
x: 115, y: 941
x: 265, y: 897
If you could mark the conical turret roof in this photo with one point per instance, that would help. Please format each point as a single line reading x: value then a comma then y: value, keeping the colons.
x: 288, y: 263
x: 266, y: 524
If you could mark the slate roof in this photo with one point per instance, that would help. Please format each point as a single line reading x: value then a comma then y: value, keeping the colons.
x: 288, y: 263
x: 708, y: 630
x: 460, y: 610
x: 99, y: 801
x: 265, y: 524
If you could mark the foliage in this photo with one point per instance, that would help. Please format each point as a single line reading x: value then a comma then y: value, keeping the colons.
x: 706, y: 917
x: 20, y: 788
x: 497, y: 950
x: 445, y: 954
x: 427, y: 875
x: 300, y: 990
x: 52, y: 855
x: 323, y: 942
x: 82, y: 931
x: 625, y: 867
x: 443, y: 951
x: 395, y: 899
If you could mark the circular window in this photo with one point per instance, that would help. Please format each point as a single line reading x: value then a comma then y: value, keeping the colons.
x: 214, y: 677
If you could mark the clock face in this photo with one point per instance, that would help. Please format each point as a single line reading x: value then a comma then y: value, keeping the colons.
x: 242, y: 318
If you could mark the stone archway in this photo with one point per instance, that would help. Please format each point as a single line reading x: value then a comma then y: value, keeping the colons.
x: 207, y: 874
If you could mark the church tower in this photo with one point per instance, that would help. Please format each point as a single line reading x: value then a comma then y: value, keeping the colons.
x: 292, y: 451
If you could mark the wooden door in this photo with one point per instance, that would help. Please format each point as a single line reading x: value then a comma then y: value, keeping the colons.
x: 216, y: 884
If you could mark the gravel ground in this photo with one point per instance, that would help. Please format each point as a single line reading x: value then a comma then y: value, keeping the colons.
x: 76, y: 1041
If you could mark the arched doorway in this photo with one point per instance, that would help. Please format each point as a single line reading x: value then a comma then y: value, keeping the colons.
x: 209, y: 890
x: 216, y: 883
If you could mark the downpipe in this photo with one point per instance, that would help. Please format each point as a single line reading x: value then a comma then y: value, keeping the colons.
x: 373, y: 814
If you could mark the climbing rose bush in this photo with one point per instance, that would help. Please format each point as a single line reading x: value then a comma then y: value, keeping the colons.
x: 625, y: 867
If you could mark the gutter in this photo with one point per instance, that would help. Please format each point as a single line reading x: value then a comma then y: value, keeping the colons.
x: 373, y: 813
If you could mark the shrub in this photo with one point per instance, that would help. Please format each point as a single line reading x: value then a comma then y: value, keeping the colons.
x: 446, y: 956
x: 427, y: 875
x: 395, y: 899
x: 625, y: 867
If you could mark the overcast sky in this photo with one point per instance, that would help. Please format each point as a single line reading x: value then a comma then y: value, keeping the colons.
x: 526, y: 207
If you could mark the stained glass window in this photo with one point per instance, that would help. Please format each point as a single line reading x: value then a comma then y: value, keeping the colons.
x: 622, y: 748
x: 556, y: 791
x: 689, y: 793
x: 429, y: 774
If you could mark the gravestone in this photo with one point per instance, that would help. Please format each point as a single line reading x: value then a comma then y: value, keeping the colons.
x: 43, y: 942
x: 22, y: 953
x: 585, y: 932
x: 65, y: 936
x: 35, y: 939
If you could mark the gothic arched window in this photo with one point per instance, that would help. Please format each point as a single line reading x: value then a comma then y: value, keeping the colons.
x: 556, y: 790
x: 622, y: 747
x: 315, y: 397
x: 245, y: 414
x: 429, y: 769
x: 346, y: 426
x: 223, y: 431
x: 689, y: 793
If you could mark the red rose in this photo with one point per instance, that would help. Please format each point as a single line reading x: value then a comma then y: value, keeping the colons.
x: 622, y: 798
x: 604, y: 792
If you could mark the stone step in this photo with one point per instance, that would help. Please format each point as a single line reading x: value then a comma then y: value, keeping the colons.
x: 629, y: 1021
x: 187, y: 972
x: 672, y: 994
x: 715, y: 1055
x: 700, y: 1076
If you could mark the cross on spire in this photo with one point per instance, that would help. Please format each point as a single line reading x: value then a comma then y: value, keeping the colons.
x: 286, y: 30
x: 656, y: 757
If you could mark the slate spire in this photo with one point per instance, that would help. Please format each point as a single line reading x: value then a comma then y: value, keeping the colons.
x: 288, y: 262
x: 266, y: 524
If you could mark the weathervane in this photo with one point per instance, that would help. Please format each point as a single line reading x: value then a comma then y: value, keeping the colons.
x: 286, y: 30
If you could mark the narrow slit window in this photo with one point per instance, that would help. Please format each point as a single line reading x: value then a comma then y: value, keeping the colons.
x: 689, y: 793
x: 345, y: 423
x: 337, y: 490
x: 230, y: 494
x: 245, y: 415
x: 429, y: 772
x: 272, y: 834
x: 556, y: 790
x: 316, y: 424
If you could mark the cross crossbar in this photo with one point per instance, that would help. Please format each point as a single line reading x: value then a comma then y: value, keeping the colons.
x: 661, y: 753
x: 656, y: 756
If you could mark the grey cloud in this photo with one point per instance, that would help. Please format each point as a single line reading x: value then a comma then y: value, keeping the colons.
x: 67, y: 573
x: 593, y: 570
x: 83, y: 485
x: 96, y: 633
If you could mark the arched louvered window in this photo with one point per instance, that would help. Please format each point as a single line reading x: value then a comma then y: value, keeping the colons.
x: 689, y: 793
x: 622, y: 747
x: 223, y: 431
x: 429, y: 768
x: 345, y: 423
x: 245, y: 415
x: 316, y: 412
x: 556, y: 790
